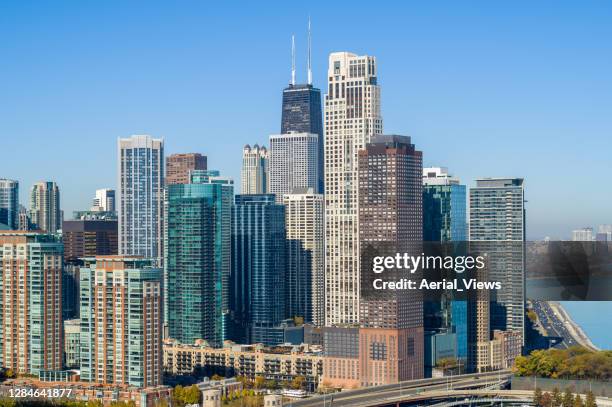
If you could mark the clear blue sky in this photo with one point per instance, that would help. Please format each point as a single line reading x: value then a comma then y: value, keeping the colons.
x: 485, y: 88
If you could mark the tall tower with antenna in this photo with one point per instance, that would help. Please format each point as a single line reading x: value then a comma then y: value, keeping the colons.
x: 301, y: 109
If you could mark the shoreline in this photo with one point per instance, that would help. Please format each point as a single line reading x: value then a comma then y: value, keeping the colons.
x: 575, y: 330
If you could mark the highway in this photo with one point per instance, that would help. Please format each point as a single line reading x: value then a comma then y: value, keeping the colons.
x: 557, y: 323
x: 392, y: 393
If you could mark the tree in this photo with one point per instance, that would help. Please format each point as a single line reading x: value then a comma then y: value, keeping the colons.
x: 537, y: 397
x: 557, y: 399
x: 568, y: 398
x: 546, y: 400
x: 260, y: 382
x: 271, y: 384
x: 298, y: 382
x: 216, y: 377
x: 192, y: 395
x: 578, y: 401
x: 590, y: 400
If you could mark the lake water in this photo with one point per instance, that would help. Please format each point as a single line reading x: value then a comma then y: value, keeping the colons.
x: 595, y: 319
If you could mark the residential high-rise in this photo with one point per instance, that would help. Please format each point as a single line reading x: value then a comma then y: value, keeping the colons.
x: 24, y: 220
x: 83, y: 238
x: 198, y: 258
x: 497, y: 226
x: 304, y: 212
x: 140, y: 196
x: 31, y: 313
x: 352, y: 117
x: 45, y: 212
x: 104, y: 200
x: 258, y: 268
x: 9, y: 203
x: 294, y: 163
x: 179, y: 165
x: 254, y: 174
x: 390, y: 220
x: 121, y: 321
x: 444, y: 220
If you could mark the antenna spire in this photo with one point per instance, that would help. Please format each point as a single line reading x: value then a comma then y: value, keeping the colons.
x: 309, y: 55
x: 293, y: 59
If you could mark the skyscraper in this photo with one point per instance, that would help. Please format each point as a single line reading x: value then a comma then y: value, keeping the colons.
x: 121, y: 321
x: 258, y: 267
x: 9, y: 203
x: 294, y: 163
x: 497, y: 226
x: 104, y: 200
x: 304, y: 211
x: 31, y: 317
x: 444, y: 220
x: 390, y: 219
x: 140, y: 197
x: 583, y: 235
x: 45, y: 209
x: 198, y: 258
x: 301, y: 110
x: 179, y: 165
x: 254, y: 174
x: 352, y: 117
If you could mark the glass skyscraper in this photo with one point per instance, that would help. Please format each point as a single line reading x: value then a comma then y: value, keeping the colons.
x: 444, y: 220
x: 9, y: 203
x: 258, y: 268
x: 197, y: 259
x: 301, y: 113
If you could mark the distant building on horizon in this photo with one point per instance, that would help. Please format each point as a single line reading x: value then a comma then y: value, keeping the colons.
x: 140, y: 196
x: 259, y: 256
x: 352, y: 118
x: 179, y: 165
x: 254, y: 173
x: 583, y: 235
x: 294, y: 163
x: 31, y: 329
x: 198, y: 258
x: 45, y: 212
x: 104, y: 200
x: 121, y: 321
x: 9, y: 203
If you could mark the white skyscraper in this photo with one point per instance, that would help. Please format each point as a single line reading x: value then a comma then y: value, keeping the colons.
x: 254, y: 175
x: 294, y: 163
x: 583, y: 235
x: 104, y: 200
x: 352, y: 117
x: 140, y: 196
x: 304, y: 213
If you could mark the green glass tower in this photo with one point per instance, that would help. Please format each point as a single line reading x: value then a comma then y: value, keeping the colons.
x: 197, y: 259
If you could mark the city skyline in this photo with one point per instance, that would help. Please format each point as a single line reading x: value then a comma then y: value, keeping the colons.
x: 458, y: 87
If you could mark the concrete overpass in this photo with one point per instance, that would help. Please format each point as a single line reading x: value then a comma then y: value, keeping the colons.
x: 396, y: 394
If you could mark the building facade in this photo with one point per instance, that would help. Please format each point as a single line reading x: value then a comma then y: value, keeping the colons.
x: 390, y: 219
x: 140, y: 196
x: 258, y: 268
x: 179, y: 165
x: 31, y: 317
x: 497, y: 226
x: 198, y: 258
x: 72, y: 343
x: 301, y: 113
x: 121, y: 321
x: 583, y: 235
x: 104, y: 200
x: 89, y: 238
x: 445, y: 221
x: 304, y: 222
x: 352, y: 117
x: 45, y: 212
x: 9, y: 203
x: 254, y: 174
x: 294, y: 163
